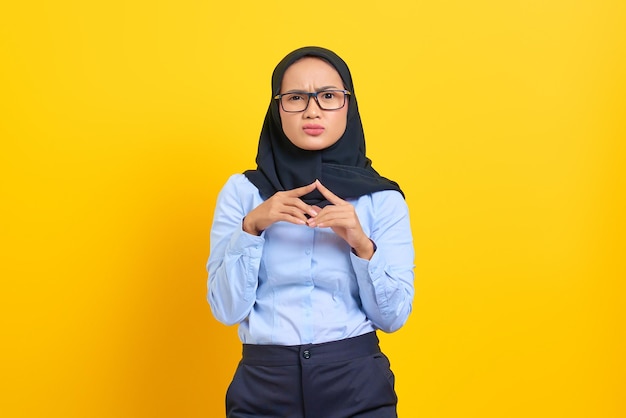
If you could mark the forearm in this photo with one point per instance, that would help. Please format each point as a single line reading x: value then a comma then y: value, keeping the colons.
x: 233, y: 277
x: 386, y: 280
x: 386, y: 291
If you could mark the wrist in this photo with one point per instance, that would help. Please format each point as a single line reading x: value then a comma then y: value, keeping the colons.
x: 366, y: 250
x: 248, y: 226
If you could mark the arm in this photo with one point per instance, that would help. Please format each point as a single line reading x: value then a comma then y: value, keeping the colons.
x: 237, y: 244
x: 386, y: 280
x: 384, y: 272
x: 234, y: 259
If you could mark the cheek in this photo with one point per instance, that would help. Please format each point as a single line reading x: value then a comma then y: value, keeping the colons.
x: 289, y: 126
x: 341, y: 123
x: 284, y: 121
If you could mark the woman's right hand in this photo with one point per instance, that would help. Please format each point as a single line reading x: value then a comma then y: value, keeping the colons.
x: 282, y: 206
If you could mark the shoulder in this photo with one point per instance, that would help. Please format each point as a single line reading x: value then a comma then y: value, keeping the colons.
x: 239, y: 189
x: 239, y: 182
x: 381, y: 208
x: 383, y: 200
x: 388, y: 196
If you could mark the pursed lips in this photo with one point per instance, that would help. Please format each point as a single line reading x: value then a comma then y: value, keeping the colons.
x: 313, y: 129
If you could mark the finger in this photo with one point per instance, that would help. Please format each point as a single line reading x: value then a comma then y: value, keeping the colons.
x: 298, y: 219
x: 330, y: 218
x: 330, y: 221
x: 301, y: 206
x: 288, y: 213
x: 298, y: 208
x: 300, y: 191
x: 344, y: 214
x: 330, y: 196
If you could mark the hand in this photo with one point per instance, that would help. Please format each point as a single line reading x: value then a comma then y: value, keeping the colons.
x: 341, y: 217
x: 282, y: 206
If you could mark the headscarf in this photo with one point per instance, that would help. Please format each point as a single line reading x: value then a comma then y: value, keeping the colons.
x: 343, y: 167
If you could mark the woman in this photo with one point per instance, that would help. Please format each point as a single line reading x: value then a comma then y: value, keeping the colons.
x: 311, y: 254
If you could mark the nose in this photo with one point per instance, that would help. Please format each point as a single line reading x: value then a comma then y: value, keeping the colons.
x: 313, y: 110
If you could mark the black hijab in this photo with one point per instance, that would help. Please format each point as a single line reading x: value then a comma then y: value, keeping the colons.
x: 343, y: 167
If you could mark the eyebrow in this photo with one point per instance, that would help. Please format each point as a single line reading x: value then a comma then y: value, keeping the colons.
x: 317, y: 90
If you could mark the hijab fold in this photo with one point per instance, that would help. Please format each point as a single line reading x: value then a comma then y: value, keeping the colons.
x: 343, y: 167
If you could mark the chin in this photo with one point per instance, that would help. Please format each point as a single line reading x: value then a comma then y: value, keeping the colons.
x: 309, y: 145
x: 314, y: 144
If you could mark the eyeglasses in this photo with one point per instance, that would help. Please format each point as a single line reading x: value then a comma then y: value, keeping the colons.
x: 325, y: 99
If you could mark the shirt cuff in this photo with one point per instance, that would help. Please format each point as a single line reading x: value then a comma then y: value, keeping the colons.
x: 247, y: 244
x: 368, y: 268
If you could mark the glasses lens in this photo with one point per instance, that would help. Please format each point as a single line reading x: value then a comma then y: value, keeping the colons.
x: 294, y: 102
x: 327, y: 100
x: 331, y: 99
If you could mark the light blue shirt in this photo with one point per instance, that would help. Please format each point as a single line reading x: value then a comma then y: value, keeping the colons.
x: 299, y: 285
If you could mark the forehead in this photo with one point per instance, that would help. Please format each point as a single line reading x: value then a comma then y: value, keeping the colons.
x: 311, y: 70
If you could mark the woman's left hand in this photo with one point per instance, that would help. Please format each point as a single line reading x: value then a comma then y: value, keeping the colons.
x: 341, y: 217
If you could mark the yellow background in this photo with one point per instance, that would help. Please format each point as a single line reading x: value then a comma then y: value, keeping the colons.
x: 502, y: 120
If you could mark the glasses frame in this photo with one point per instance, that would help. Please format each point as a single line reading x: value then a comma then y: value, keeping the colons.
x: 314, y: 96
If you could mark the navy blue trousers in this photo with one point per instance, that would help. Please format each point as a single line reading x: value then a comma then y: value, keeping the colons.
x: 341, y: 379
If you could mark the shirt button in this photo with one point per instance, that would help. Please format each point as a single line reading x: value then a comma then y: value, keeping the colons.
x: 306, y: 354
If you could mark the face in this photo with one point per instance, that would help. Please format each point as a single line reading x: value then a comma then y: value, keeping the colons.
x: 313, y: 129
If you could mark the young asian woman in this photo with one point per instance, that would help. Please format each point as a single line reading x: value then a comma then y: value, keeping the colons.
x: 311, y: 255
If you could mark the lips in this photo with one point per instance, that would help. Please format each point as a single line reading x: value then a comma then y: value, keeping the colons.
x: 313, y: 129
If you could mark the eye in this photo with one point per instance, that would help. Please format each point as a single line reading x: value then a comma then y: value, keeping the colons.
x: 328, y: 95
x: 293, y: 97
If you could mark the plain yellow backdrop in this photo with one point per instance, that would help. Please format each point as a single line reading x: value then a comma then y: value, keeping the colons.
x: 503, y: 121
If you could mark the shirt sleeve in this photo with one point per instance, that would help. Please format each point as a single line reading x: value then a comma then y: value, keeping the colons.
x: 386, y: 280
x: 235, y: 257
